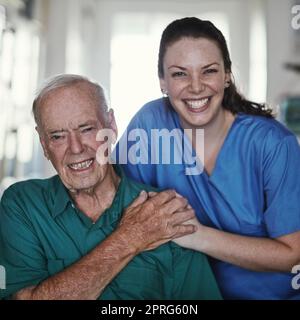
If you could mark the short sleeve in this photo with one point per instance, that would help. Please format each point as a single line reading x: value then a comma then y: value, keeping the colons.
x: 21, y: 253
x: 282, y: 187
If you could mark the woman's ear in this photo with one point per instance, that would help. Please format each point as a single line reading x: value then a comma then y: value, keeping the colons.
x: 163, y: 86
x: 227, y: 80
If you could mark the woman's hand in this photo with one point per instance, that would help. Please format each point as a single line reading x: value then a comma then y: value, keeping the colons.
x: 189, y: 241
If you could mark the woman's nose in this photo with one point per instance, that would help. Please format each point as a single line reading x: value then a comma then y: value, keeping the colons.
x: 196, y: 84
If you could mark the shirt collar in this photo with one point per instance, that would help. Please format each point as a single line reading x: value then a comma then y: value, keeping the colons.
x: 62, y: 197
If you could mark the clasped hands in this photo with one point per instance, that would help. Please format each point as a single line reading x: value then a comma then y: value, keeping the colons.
x: 155, y: 218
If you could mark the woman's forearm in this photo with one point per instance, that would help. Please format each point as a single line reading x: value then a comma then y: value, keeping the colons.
x: 257, y: 254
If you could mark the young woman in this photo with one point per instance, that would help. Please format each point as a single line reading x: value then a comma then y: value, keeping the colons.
x: 247, y: 198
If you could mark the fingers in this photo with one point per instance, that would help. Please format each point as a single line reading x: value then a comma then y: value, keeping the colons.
x: 151, y: 194
x: 183, y: 230
x: 163, y: 197
x: 175, y: 204
x: 143, y: 196
x: 183, y: 216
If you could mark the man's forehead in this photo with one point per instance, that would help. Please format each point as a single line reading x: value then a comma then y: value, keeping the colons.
x: 75, y: 91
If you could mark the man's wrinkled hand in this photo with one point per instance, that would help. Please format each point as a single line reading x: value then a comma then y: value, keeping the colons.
x: 156, y: 218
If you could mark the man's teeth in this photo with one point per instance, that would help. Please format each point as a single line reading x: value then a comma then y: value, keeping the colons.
x: 196, y: 104
x: 81, y: 165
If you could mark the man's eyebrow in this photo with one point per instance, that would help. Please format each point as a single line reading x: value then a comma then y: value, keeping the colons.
x: 57, y: 131
x: 89, y: 123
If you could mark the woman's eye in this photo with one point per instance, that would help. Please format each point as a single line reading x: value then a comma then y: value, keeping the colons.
x: 178, y: 74
x: 212, y: 70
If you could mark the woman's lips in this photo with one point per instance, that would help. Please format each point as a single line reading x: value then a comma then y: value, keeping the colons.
x: 197, y: 105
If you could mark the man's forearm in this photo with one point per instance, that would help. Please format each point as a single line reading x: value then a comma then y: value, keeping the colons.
x: 144, y: 226
x: 87, y: 278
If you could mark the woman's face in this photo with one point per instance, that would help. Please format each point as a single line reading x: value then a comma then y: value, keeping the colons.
x: 195, y: 79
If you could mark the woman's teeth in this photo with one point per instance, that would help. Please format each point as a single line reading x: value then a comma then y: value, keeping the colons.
x: 81, y: 165
x: 196, y: 104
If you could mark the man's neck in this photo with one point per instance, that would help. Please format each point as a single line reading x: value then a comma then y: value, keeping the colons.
x: 94, y: 201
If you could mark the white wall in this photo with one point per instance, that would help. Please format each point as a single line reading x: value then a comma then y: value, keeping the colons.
x: 282, y: 43
x: 76, y: 38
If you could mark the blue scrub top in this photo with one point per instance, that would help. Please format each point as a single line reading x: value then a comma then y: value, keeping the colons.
x: 254, y: 189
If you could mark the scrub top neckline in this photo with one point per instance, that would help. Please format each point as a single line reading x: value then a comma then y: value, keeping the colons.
x: 221, y: 151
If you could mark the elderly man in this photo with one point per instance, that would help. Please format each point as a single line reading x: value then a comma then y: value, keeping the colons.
x: 89, y: 232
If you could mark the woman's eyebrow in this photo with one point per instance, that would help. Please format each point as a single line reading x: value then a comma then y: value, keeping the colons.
x: 210, y: 64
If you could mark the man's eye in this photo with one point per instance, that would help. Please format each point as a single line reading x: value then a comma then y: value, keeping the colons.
x: 87, y: 129
x: 56, y: 137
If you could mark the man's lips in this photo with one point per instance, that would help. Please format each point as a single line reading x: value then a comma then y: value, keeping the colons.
x: 83, y: 165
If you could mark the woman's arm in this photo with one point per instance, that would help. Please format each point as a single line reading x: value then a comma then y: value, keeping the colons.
x: 257, y: 254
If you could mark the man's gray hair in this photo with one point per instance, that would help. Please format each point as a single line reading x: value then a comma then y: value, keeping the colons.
x: 67, y: 80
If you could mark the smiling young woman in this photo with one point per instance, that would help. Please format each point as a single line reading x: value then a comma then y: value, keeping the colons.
x: 247, y: 198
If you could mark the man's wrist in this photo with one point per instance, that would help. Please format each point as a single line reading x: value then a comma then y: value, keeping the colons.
x: 127, y: 240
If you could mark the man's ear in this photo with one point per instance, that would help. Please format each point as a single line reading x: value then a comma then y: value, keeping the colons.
x: 112, y: 124
x: 42, y: 141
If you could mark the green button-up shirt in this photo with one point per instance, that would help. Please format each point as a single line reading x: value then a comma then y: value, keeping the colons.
x: 42, y: 233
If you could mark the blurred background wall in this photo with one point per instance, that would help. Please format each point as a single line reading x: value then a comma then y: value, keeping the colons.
x: 116, y: 44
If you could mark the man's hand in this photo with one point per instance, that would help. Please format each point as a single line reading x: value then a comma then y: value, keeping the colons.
x: 154, y: 219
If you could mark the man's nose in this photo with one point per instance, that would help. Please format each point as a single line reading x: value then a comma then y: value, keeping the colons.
x: 75, y: 143
x: 196, y: 84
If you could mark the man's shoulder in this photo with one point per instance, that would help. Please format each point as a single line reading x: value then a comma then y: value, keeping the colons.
x: 30, y: 188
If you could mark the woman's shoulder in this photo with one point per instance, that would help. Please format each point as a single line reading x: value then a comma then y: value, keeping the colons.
x: 260, y: 126
x: 155, y: 113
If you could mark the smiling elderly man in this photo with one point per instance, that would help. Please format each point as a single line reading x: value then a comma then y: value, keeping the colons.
x: 89, y: 232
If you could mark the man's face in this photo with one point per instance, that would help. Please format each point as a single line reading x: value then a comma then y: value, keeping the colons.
x: 69, y: 121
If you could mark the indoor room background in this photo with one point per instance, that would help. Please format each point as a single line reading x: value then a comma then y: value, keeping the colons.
x: 116, y: 43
